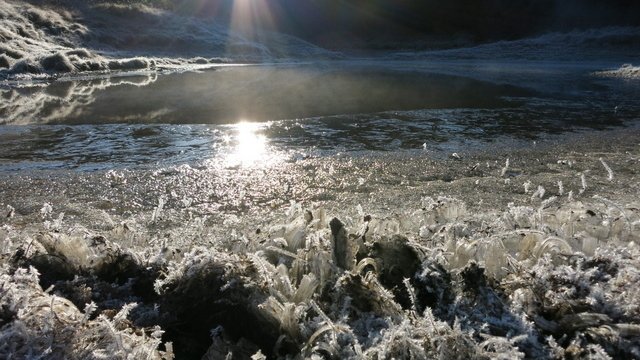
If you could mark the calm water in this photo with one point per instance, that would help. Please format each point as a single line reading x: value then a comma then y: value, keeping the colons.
x: 250, y: 115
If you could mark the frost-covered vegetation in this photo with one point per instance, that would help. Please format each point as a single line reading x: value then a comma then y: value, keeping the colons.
x: 43, y: 39
x: 551, y: 274
x: 37, y: 40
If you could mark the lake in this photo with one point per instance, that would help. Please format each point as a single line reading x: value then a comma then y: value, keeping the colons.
x: 301, y: 110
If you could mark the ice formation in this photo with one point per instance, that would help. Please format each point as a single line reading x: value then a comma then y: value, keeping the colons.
x: 527, y: 282
x: 544, y: 276
x: 459, y: 265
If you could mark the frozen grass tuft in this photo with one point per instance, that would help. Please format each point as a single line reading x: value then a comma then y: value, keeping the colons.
x: 530, y: 282
x: 38, y: 324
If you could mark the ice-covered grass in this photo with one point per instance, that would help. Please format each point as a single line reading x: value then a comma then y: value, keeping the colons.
x: 36, y: 323
x: 38, y: 41
x: 553, y: 275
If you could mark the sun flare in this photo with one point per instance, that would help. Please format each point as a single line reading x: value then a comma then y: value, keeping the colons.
x: 250, y: 145
x: 249, y: 17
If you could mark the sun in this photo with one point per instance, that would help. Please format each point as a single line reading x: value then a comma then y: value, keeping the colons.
x: 250, y: 145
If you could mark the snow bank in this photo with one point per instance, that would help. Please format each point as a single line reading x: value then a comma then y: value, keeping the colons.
x: 626, y: 71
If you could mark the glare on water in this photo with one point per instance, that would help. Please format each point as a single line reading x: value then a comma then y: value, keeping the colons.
x: 248, y: 145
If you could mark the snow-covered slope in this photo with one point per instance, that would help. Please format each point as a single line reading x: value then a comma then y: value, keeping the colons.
x: 618, y: 43
x: 40, y: 41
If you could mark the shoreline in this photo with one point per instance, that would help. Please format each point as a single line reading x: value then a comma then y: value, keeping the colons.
x: 375, y: 180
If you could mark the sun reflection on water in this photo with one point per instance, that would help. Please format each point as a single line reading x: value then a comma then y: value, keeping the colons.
x: 248, y: 145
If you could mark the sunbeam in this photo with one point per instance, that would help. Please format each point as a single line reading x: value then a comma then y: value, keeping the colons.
x: 251, y: 17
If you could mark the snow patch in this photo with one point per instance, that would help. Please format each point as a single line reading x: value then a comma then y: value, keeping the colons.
x: 626, y: 71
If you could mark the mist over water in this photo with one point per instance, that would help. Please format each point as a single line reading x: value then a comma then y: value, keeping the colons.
x: 256, y: 93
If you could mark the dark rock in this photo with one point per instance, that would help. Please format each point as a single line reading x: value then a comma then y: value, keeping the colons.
x: 193, y: 305
x: 473, y: 278
x: 434, y: 289
x: 340, y: 244
x: 5, y: 62
x: 396, y: 261
x: 57, y: 63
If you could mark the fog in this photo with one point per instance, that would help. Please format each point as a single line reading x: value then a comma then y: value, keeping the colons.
x: 251, y: 92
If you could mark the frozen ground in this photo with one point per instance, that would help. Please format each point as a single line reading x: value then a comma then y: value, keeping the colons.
x: 528, y: 253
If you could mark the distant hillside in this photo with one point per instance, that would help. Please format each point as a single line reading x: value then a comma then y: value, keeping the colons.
x: 47, y: 38
x: 392, y: 23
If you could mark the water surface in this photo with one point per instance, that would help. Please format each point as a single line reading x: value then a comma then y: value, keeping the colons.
x: 247, y: 114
